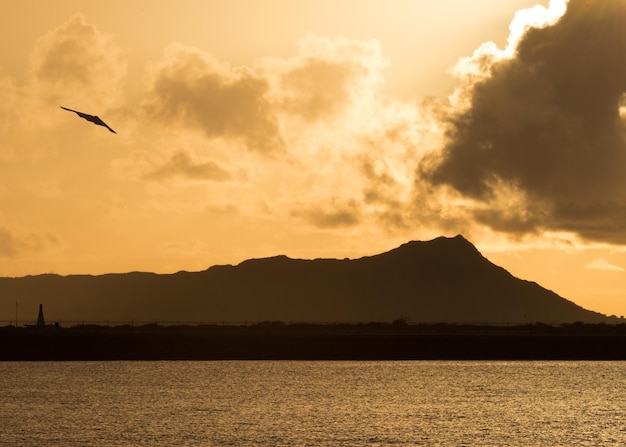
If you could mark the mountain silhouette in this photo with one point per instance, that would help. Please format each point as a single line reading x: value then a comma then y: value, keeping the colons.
x: 442, y: 280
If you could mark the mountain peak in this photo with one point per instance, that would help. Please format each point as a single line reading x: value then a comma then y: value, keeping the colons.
x: 442, y: 247
x: 458, y: 240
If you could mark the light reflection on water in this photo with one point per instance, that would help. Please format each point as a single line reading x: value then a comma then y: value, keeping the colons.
x: 265, y: 403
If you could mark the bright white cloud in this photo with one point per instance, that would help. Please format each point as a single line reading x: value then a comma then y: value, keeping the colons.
x: 603, y: 264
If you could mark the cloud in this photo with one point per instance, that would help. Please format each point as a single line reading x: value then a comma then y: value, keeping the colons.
x: 603, y: 264
x: 77, y: 64
x: 328, y: 76
x: 181, y: 165
x: 331, y: 215
x: 9, y: 104
x: 12, y: 246
x: 322, y: 108
x: 190, y: 87
x: 544, y: 120
x: 318, y: 88
x: 256, y: 104
x: 158, y: 167
x: 8, y: 244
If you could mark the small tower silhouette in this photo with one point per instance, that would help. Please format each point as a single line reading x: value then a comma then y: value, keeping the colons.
x: 40, y: 321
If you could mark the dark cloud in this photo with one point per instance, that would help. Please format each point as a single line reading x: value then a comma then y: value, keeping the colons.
x: 547, y: 123
x: 181, y: 165
x: 193, y: 89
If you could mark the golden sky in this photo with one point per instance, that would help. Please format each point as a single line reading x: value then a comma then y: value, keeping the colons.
x: 315, y: 129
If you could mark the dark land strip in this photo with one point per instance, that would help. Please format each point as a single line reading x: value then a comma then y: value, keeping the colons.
x: 278, y: 341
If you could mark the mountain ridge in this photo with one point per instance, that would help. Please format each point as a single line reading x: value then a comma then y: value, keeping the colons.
x: 442, y: 280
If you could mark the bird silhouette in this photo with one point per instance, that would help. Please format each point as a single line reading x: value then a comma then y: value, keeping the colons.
x: 94, y: 119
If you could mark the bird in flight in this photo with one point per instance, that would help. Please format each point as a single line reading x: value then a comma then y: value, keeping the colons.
x: 94, y: 119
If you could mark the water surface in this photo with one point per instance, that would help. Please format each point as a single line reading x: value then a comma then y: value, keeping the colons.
x: 286, y: 403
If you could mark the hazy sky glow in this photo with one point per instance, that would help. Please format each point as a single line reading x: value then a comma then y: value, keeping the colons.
x: 316, y: 129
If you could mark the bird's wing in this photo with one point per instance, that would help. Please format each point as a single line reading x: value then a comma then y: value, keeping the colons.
x: 70, y: 110
x: 98, y: 121
x: 81, y: 114
x: 102, y: 123
x: 92, y: 118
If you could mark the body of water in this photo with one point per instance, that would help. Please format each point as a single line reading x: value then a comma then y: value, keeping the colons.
x: 285, y: 403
